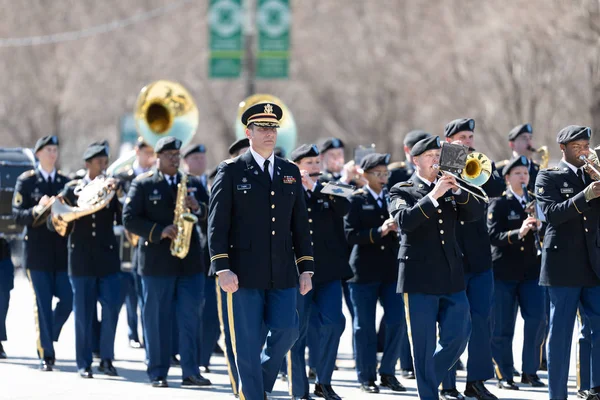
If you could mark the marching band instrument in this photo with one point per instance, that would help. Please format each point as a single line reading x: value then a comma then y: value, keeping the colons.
x: 592, y: 165
x: 42, y: 213
x: 531, y: 210
x: 476, y: 171
x: 91, y: 198
x: 183, y: 220
x: 544, y: 155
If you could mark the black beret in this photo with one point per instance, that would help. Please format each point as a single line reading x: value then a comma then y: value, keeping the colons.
x: 517, y: 130
x: 96, y: 149
x: 199, y: 148
x: 459, y: 125
x: 373, y: 160
x: 306, y: 150
x: 413, y: 137
x: 263, y: 114
x: 331, y: 143
x: 45, y: 141
x: 167, y: 143
x: 430, y: 143
x: 573, y: 132
x: 238, y: 145
x: 140, y: 143
x: 279, y: 152
x: 515, y: 162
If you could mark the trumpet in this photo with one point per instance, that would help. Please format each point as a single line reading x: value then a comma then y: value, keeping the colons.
x: 476, y: 172
x: 592, y: 165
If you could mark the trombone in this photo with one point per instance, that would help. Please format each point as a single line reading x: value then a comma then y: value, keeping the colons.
x: 476, y: 172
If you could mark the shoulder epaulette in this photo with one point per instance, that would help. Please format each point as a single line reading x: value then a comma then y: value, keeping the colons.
x: 27, y: 174
x: 74, y: 182
x: 229, y: 161
x: 504, y: 193
x: 551, y: 169
x: 501, y: 163
x: 146, y: 174
x: 397, y: 165
x: 405, y: 184
x: 359, y: 191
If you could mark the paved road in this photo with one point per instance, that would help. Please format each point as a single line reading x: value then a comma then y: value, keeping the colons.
x: 20, y: 379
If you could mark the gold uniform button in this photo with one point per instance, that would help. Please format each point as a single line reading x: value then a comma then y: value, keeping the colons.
x: 272, y: 205
x: 93, y: 233
x: 382, y: 247
x: 145, y: 243
x: 443, y: 242
x: 462, y: 222
x: 586, y: 229
x: 440, y: 221
x: 310, y: 220
x: 231, y: 246
x: 93, y: 224
x: 309, y: 210
x: 273, y: 219
x: 382, y: 217
x: 311, y: 232
x: 312, y: 244
x: 439, y: 211
x: 585, y: 218
x: 272, y: 193
x: 273, y: 233
x: 406, y: 257
x: 522, y: 248
x: 442, y: 232
x: 93, y: 216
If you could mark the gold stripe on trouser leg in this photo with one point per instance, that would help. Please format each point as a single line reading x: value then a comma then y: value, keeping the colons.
x: 36, y: 317
x: 289, y: 371
x: 222, y: 326
x: 580, y: 320
x: 408, y: 328
x: 497, y: 368
x: 232, y: 334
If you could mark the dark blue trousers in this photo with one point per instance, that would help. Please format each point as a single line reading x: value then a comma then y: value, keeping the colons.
x: 326, y: 300
x: 434, y: 357
x: 480, y: 292
x: 48, y: 322
x: 129, y: 297
x: 229, y: 356
x: 584, y: 351
x: 168, y: 299
x: 364, y: 298
x: 312, y: 337
x: 564, y: 302
x: 544, y: 358
x: 531, y: 299
x: 6, y: 285
x: 248, y: 311
x: 87, y: 291
x: 209, y: 334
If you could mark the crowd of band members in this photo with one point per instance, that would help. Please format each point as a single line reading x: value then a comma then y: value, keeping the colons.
x: 450, y: 271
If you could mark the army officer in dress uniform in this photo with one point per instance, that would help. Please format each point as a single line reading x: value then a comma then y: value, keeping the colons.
x: 516, y: 274
x: 325, y: 213
x: 372, y: 234
x: 427, y: 209
x: 168, y: 282
x: 45, y: 251
x: 571, y: 256
x: 519, y: 139
x: 402, y: 171
x: 257, y: 223
x: 94, y: 267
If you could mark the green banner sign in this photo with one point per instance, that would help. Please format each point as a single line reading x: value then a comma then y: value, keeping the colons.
x: 273, y: 19
x: 225, y: 19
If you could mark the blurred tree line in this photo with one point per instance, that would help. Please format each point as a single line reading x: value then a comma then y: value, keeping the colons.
x: 365, y: 71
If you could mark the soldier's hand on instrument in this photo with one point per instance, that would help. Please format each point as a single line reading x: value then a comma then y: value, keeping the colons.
x: 305, y: 281
x: 170, y: 232
x: 112, y: 183
x: 387, y: 227
x: 192, y: 203
x: 228, y: 281
x: 443, y: 184
x: 44, y: 200
x: 527, y: 225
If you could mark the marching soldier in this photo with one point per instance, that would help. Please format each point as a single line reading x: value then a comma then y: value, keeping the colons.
x: 94, y: 267
x: 516, y: 274
x: 401, y: 171
x: 45, y: 255
x: 474, y: 241
x: 132, y: 281
x: 519, y: 140
x: 568, y: 197
x: 194, y: 159
x: 168, y: 282
x: 427, y: 209
x: 257, y: 223
x: 325, y: 213
x: 6, y: 285
x: 372, y: 234
x: 334, y: 166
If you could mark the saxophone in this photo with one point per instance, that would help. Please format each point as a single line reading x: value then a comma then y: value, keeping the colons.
x: 184, y: 220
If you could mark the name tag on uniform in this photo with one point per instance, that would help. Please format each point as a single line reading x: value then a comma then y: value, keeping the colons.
x: 566, y: 190
x: 513, y: 216
x: 449, y: 198
x: 368, y: 207
x: 320, y: 200
x: 246, y: 186
x: 154, y: 197
x: 192, y: 189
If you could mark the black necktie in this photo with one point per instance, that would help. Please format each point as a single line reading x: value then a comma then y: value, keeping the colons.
x: 174, y: 184
x: 266, y: 169
x: 379, y: 202
x: 523, y: 203
x: 580, y: 174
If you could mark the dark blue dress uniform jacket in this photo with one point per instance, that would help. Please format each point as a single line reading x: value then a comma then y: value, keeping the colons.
x: 513, y: 259
x: 44, y: 250
x: 373, y: 258
x: 93, y: 247
x: 571, y: 253
x: 255, y: 226
x: 326, y: 219
x: 431, y: 261
x: 149, y: 208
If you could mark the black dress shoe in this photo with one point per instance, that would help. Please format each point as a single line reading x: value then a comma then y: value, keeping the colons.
x: 451, y: 394
x: 45, y: 365
x: 408, y: 374
x: 196, y: 381
x: 107, y: 367
x: 543, y: 366
x: 218, y: 349
x: 135, y: 344
x: 390, y: 382
x: 326, y: 391
x: 507, y: 384
x: 533, y: 380
x: 459, y: 365
x: 160, y: 382
x: 2, y: 353
x: 369, y: 387
x: 52, y: 360
x: 592, y: 395
x: 312, y: 374
x: 175, y: 361
x: 206, y: 370
x: 583, y: 394
x: 515, y: 372
x: 283, y: 377
x: 86, y: 373
x: 478, y: 390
